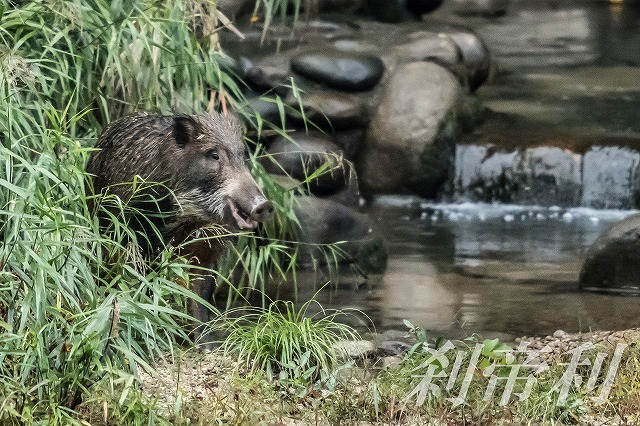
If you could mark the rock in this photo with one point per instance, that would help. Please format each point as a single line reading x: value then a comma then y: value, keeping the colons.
x: 350, y: 141
x: 480, y: 7
x: 400, y: 150
x: 268, y: 109
x: 311, y: 8
x: 354, y: 349
x: 559, y: 334
x: 304, y: 156
x: 324, y: 221
x: 475, y: 57
x: 349, y: 195
x: 540, y: 175
x: 393, y: 348
x: 269, y: 73
x: 456, y: 48
x: 332, y: 110
x: 401, y: 10
x: 611, y: 178
x: 391, y: 362
x: 340, y: 70
x: 424, y: 46
x: 234, y: 8
x: 611, y: 264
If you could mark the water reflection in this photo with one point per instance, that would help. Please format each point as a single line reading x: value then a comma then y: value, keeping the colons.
x: 494, y: 270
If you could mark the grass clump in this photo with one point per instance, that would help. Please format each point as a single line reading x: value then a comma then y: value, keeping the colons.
x: 285, y: 342
x: 81, y: 310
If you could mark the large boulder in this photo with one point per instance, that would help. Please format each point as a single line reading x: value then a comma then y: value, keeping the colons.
x: 401, y: 149
x: 611, y: 264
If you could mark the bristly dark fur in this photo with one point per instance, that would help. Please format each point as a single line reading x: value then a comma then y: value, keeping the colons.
x: 196, y: 177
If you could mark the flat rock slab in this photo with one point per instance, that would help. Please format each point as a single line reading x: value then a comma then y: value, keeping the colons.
x: 539, y: 175
x: 339, y: 70
x: 611, y: 177
x: 603, y: 177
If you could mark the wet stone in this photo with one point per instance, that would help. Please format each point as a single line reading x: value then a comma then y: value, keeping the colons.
x: 303, y: 157
x: 324, y: 221
x: 351, y: 72
x: 401, y: 10
x: 270, y: 72
x: 611, y: 264
x: 349, y: 195
x: 475, y: 57
x: 542, y: 175
x: 611, y: 178
x: 267, y: 109
x: 425, y: 46
x: 393, y: 348
x: 400, y: 152
x: 350, y: 141
x: 391, y: 362
x: 332, y: 110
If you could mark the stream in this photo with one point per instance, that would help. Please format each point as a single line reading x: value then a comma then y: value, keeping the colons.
x: 568, y: 76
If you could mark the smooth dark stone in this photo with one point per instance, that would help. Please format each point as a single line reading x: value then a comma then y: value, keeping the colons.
x: 351, y: 72
x: 611, y: 264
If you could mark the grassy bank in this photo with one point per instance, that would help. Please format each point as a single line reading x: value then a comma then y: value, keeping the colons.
x: 81, y: 312
x: 216, y: 388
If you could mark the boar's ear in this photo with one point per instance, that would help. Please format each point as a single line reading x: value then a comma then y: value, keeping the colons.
x: 185, y: 129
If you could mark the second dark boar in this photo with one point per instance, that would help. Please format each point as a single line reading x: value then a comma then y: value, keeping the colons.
x: 199, y: 160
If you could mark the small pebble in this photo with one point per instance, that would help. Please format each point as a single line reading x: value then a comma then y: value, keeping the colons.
x: 559, y: 334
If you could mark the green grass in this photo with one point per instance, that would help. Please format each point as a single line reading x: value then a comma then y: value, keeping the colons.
x: 285, y: 341
x: 81, y: 311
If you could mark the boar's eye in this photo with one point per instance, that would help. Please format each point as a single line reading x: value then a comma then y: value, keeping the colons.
x: 212, y: 154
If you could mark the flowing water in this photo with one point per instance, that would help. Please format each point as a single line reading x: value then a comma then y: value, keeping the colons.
x: 569, y: 70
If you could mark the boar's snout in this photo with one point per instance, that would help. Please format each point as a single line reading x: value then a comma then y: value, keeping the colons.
x: 262, y: 209
x: 248, y: 206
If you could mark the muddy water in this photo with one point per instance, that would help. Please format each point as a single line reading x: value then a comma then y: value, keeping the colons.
x: 569, y: 76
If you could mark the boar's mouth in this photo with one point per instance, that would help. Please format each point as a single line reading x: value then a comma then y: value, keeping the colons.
x: 241, y: 218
